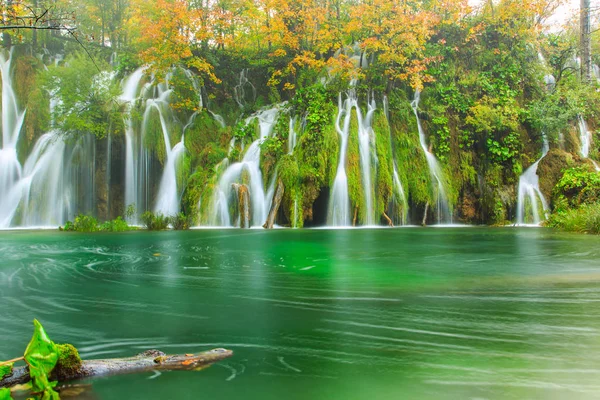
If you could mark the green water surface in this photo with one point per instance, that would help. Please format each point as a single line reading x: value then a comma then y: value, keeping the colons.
x: 469, y: 313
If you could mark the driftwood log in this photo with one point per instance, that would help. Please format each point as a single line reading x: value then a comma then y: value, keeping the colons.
x: 388, y: 219
x: 275, y: 205
x: 150, y: 360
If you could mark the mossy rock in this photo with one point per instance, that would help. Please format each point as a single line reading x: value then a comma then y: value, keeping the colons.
x: 551, y: 168
x: 69, y: 362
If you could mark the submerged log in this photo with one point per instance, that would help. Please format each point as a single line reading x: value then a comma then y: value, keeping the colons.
x: 150, y: 360
x: 243, y: 197
x: 275, y: 205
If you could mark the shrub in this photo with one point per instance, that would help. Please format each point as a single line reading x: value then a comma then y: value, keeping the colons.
x: 180, y: 222
x: 584, y: 219
x: 82, y: 223
x: 578, y: 186
x: 155, y: 221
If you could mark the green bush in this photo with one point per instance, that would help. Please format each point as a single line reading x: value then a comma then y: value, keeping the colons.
x: 180, y: 222
x: 116, y: 225
x: 86, y: 223
x: 155, y: 221
x: 578, y: 186
x: 584, y: 219
x: 82, y: 223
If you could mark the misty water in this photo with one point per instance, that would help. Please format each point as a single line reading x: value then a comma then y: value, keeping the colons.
x: 331, y: 314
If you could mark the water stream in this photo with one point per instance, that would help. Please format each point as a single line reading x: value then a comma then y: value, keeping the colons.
x: 529, y: 196
x: 442, y: 209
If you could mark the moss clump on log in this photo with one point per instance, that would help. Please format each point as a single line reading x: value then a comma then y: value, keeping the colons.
x: 69, y: 362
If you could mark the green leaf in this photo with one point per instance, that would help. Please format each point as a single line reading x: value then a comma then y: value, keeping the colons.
x: 5, y: 370
x: 41, y: 355
x: 5, y: 394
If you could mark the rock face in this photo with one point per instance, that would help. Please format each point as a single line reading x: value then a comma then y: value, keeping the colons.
x: 551, y: 167
x: 243, y: 198
x: 275, y: 205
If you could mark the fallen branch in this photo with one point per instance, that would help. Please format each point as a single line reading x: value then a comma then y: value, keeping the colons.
x: 388, y: 219
x: 150, y: 360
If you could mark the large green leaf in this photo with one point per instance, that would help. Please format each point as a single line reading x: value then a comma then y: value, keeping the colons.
x: 41, y: 355
x: 5, y: 394
x: 5, y: 370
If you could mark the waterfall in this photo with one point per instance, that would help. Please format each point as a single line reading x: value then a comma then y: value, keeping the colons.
x: 246, y: 172
x: 292, y: 137
x: 12, y: 121
x: 529, y: 193
x: 57, y: 178
x: 339, y: 203
x: 133, y: 149
x: 443, y: 208
x: 585, y: 137
x: 366, y: 147
x: 239, y: 91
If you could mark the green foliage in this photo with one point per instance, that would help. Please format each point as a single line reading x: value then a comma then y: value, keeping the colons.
x: 41, y: 356
x: 578, y: 185
x: 583, y: 219
x: 5, y: 394
x: 86, y: 224
x: 69, y: 361
x: 180, y: 222
x: 244, y: 131
x: 82, y: 223
x: 155, y: 221
x: 116, y: 225
x: 6, y: 369
x: 88, y: 99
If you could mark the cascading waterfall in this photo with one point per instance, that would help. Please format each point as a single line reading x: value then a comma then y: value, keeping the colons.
x: 57, y: 179
x: 138, y: 157
x: 585, y: 137
x: 12, y: 121
x: 134, y: 151
x: 366, y: 147
x: 167, y: 201
x: 339, y: 203
x: 443, y: 207
x: 529, y: 195
x: 246, y: 172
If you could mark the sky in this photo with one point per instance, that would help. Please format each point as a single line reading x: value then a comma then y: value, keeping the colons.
x: 562, y: 14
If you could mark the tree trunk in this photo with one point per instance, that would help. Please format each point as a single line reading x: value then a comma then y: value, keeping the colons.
x: 388, y: 219
x: 424, y: 222
x: 586, y: 42
x: 275, y: 205
x: 149, y: 360
x: 355, y: 216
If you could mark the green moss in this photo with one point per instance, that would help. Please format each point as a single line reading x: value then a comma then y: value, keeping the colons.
x: 69, y: 362
x: 154, y: 138
x: 412, y: 164
x: 384, y: 180
x: 353, y: 172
